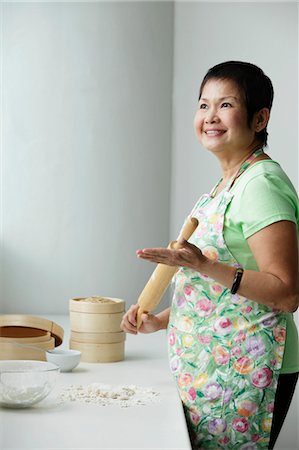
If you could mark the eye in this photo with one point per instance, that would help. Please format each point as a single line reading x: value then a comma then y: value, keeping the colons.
x: 203, y: 106
x: 226, y: 105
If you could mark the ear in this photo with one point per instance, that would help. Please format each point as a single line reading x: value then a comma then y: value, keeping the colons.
x: 260, y: 119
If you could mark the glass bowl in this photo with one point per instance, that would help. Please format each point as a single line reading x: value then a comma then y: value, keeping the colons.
x: 24, y: 383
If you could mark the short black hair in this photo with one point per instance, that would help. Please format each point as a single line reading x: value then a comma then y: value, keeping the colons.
x: 252, y: 82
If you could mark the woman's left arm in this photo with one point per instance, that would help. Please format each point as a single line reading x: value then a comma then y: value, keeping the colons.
x: 275, y: 249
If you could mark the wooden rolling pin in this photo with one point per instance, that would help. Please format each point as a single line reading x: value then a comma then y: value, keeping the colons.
x: 161, y: 277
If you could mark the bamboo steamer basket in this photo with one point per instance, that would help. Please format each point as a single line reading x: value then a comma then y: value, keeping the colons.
x: 24, y: 334
x: 27, y: 337
x: 19, y: 350
x: 96, y: 304
x: 99, y: 353
x: 95, y: 328
x: 98, y: 338
x: 21, y: 323
x: 94, y: 322
x: 96, y: 314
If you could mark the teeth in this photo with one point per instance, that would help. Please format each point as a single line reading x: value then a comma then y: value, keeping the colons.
x: 214, y: 132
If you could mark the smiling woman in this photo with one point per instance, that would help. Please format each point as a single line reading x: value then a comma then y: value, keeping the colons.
x: 242, y: 261
x: 221, y: 119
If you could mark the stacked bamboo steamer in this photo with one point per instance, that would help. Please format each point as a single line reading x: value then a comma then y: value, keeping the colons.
x: 95, y: 328
x: 27, y: 337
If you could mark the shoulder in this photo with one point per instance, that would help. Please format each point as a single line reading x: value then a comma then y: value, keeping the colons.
x: 265, y: 178
x: 263, y: 195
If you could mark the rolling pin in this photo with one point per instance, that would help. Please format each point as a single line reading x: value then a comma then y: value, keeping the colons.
x: 161, y: 277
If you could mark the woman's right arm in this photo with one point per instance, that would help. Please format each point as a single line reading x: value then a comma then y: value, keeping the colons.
x: 150, y: 322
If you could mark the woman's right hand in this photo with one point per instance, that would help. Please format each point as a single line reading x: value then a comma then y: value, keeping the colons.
x: 150, y: 322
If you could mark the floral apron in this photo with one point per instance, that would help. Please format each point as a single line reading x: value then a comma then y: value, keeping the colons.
x: 225, y: 350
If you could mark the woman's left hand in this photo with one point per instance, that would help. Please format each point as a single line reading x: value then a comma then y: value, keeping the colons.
x: 188, y: 255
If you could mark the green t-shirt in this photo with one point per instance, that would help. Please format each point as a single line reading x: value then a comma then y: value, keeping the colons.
x: 263, y: 195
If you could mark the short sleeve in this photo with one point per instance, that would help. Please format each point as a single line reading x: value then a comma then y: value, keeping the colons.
x: 266, y: 199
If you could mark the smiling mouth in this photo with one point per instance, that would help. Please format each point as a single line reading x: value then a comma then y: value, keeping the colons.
x: 214, y: 132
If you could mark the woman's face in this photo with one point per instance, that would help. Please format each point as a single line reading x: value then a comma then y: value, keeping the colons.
x: 221, y: 118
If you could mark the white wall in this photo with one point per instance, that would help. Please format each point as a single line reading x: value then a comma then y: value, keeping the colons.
x: 86, y: 149
x: 205, y: 34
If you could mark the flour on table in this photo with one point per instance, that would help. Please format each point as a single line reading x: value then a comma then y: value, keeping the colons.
x: 104, y: 394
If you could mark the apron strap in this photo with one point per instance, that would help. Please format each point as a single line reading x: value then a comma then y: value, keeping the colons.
x: 246, y: 164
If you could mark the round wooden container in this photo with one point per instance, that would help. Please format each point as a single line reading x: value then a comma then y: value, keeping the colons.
x: 98, y: 338
x: 97, y: 305
x: 27, y: 337
x: 93, y: 323
x: 100, y: 353
x: 30, y: 326
x: 96, y: 314
x: 25, y: 349
x: 24, y: 334
x: 95, y: 328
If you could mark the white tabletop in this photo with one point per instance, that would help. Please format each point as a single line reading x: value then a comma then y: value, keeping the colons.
x: 74, y: 425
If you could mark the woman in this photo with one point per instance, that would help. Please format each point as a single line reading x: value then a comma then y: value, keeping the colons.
x: 233, y: 344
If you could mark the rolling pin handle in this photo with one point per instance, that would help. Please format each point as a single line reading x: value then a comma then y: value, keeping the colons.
x: 153, y: 291
x: 173, y: 244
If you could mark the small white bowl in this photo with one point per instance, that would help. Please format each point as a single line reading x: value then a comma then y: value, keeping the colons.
x: 67, y: 360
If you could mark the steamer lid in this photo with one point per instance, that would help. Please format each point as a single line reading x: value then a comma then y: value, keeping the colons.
x: 37, y: 323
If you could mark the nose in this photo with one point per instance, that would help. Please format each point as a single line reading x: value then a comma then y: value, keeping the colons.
x: 211, y: 116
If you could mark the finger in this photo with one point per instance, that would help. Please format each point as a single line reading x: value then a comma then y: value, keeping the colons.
x: 132, y: 314
x: 156, y: 256
x: 129, y: 321
x: 154, y: 259
x: 153, y: 252
x: 144, y: 317
x: 127, y: 327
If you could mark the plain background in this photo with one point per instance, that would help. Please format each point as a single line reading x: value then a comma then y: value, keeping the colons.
x: 98, y: 152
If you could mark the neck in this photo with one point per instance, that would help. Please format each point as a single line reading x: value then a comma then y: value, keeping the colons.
x: 231, y: 163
